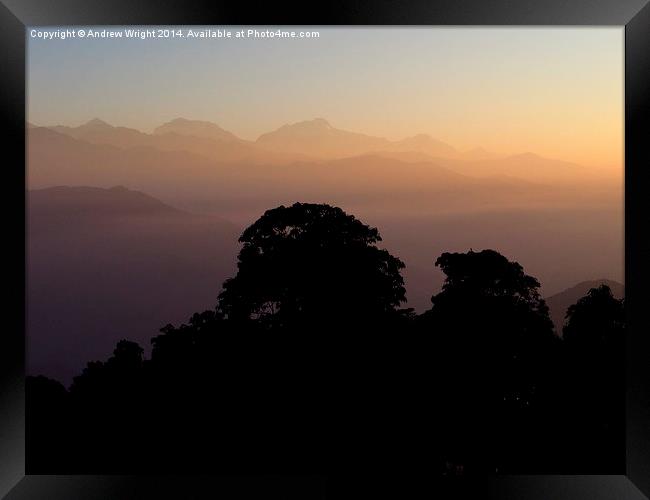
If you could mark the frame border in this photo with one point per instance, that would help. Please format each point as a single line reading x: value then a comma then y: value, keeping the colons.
x: 16, y: 15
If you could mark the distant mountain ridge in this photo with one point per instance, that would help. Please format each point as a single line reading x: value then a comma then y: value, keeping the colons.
x: 206, y: 139
x: 197, y: 128
x: 97, y: 131
x: 205, y: 174
x: 319, y: 138
x: 315, y: 138
x: 59, y: 159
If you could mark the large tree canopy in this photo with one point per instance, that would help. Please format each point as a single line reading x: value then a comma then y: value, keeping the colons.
x: 315, y: 263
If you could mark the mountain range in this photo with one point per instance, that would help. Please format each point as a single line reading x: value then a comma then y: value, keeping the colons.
x: 216, y: 171
x: 197, y: 128
x: 201, y: 138
x: 319, y: 139
x: 315, y: 139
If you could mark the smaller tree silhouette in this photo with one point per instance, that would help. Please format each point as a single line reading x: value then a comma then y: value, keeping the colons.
x: 492, y: 311
x: 596, y: 323
x: 494, y: 345
x: 594, y: 337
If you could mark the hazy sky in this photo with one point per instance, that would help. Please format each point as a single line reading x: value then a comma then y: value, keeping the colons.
x: 554, y: 91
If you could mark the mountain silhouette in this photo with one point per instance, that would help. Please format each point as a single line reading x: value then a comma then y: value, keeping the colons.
x: 319, y: 138
x: 423, y: 143
x: 196, y: 128
x: 183, y: 174
x: 97, y: 122
x: 176, y: 174
x: 527, y: 166
x: 479, y: 154
x: 201, y: 138
x: 59, y: 159
x: 97, y: 131
x: 107, y: 263
x: 83, y: 201
x: 559, y: 303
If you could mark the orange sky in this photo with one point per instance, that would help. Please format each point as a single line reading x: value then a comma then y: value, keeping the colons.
x: 557, y: 92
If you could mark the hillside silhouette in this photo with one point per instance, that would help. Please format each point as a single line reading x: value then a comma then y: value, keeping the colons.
x: 309, y: 363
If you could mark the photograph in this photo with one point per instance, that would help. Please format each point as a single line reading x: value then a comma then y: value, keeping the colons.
x: 317, y: 250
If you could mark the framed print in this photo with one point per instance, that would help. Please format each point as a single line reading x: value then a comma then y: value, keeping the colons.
x: 369, y: 250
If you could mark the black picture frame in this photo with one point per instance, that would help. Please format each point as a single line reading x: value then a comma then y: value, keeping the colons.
x: 634, y: 15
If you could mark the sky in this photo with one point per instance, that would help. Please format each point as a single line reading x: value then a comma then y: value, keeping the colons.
x: 557, y: 92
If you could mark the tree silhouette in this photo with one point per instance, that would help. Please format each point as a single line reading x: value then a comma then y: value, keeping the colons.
x: 118, y: 373
x: 595, y: 324
x: 494, y: 342
x: 594, y: 335
x: 489, y: 306
x: 314, y: 274
x: 309, y: 265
